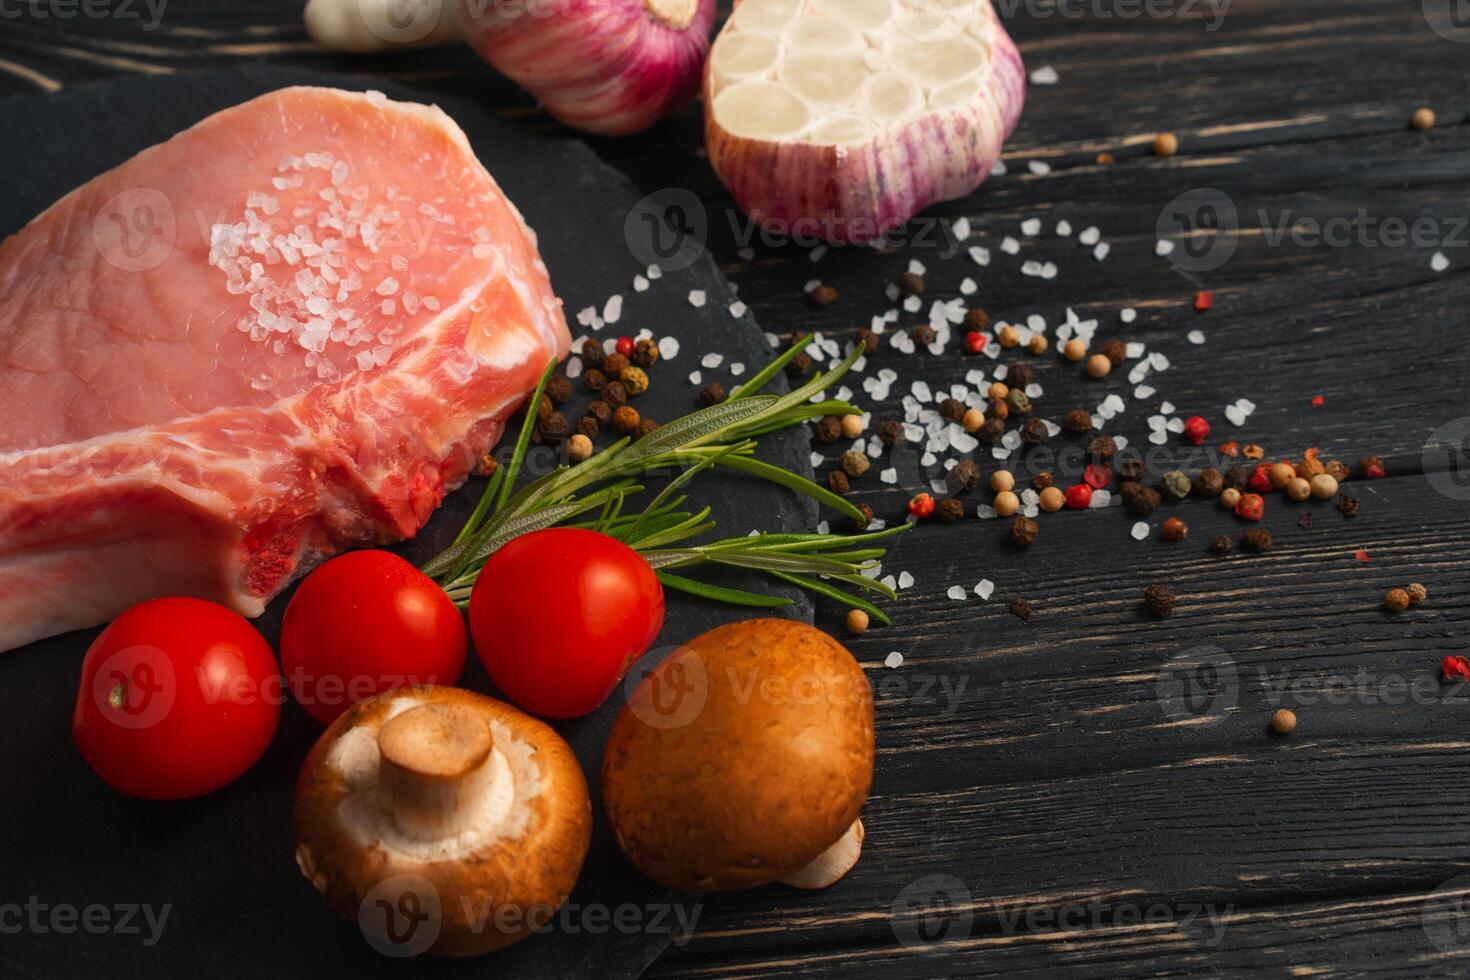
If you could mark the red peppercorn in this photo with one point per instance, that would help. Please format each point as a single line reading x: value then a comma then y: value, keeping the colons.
x: 1372, y: 468
x: 1260, y: 480
x: 975, y: 341
x: 1318, y: 401
x: 1096, y: 476
x: 1251, y: 506
x: 625, y: 346
x: 1196, y: 430
x: 1203, y: 300
x: 1456, y: 668
x: 1079, y: 496
x: 921, y: 506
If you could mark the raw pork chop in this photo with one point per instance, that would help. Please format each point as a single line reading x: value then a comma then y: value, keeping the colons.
x: 288, y: 330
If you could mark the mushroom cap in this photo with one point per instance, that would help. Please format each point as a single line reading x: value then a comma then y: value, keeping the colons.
x: 741, y: 758
x: 484, y: 883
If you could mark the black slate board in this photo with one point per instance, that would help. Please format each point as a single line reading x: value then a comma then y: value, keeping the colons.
x: 224, y: 864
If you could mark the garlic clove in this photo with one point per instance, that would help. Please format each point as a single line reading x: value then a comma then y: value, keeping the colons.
x: 611, y: 67
x: 844, y: 118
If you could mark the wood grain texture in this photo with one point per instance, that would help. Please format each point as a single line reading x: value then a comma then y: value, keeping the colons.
x: 1097, y: 803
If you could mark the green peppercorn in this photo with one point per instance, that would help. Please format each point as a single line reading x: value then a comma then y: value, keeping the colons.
x: 1176, y: 485
x: 855, y: 463
x: 634, y: 380
x: 1019, y: 401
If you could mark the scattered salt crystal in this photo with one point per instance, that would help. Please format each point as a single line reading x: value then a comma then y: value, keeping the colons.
x: 1038, y: 167
x: 668, y: 348
x: 654, y: 272
x: 905, y: 580
x: 1045, y: 75
x: 961, y: 229
x: 816, y: 254
x: 1140, y: 530
x: 817, y: 459
x: 387, y: 287
x: 984, y: 512
x: 889, y: 476
x: 695, y: 377
x: 998, y: 168
x: 696, y: 298
x: 1245, y: 405
x: 1031, y: 227
x: 640, y: 283
x: 894, y: 659
x: 1159, y: 436
x: 1049, y: 270
x: 1439, y: 262
x: 586, y: 315
x: 1101, y: 250
x: 737, y: 309
x: 1235, y: 415
x: 1090, y: 236
x: 1163, y: 247
x: 745, y: 253
x: 979, y: 256
x: 1009, y: 245
x: 968, y: 287
x: 1134, y: 349
x: 712, y: 360
x: 911, y: 304
x: 1128, y: 315
x: 917, y: 267
x: 1195, y: 336
x: 984, y: 588
x: 956, y: 592
x: 1064, y: 228
x: 1143, y: 391
x: 889, y: 581
x: 737, y: 369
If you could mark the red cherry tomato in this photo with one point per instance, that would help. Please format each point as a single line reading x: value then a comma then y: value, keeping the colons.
x: 364, y: 623
x: 559, y: 616
x: 178, y: 697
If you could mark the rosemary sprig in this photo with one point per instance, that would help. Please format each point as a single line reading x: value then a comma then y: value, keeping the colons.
x: 724, y: 436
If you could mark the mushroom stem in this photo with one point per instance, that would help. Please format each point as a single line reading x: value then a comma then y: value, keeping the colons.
x: 829, y: 866
x: 437, y: 769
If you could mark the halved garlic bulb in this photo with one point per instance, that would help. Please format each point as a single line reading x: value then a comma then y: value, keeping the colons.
x: 844, y: 118
x: 605, y: 66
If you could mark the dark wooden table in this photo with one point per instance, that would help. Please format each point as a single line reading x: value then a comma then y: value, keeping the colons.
x: 1094, y: 791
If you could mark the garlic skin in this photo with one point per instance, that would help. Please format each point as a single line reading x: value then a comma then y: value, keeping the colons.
x: 842, y: 119
x: 610, y: 67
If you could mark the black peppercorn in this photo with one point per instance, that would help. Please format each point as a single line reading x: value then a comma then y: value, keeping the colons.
x: 911, y: 284
x: 923, y: 335
x: 1221, y: 545
x: 613, y: 364
x: 827, y: 429
x: 1209, y: 483
x: 645, y: 352
x: 991, y: 432
x: 553, y: 427
x: 837, y: 481
x: 1144, y: 502
x: 1078, y: 422
x: 1034, y: 432
x: 558, y: 388
x: 589, y: 427
x: 869, y: 340
x: 592, y: 352
x: 1237, y: 477
x: 1024, y: 531
x: 964, y: 476
x: 1160, y: 600
x: 615, y: 394
x: 645, y: 426
x: 799, y: 366
x: 861, y: 523
x: 822, y: 295
x: 891, y: 432
x: 996, y: 408
x: 712, y: 393
x: 1128, y: 489
x: 543, y: 407
x: 977, y: 319
x: 1021, y: 608
x: 1103, y: 448
x: 1131, y: 468
x: 1257, y: 540
x: 1348, y: 505
x: 626, y: 420
x: 950, y: 510
x: 1041, y: 481
x: 599, y: 410
x: 952, y: 409
x: 1019, y: 376
x: 1115, y: 351
x: 594, y: 380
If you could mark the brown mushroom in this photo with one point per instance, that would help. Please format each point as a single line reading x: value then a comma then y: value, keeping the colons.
x: 744, y: 758
x: 465, y: 814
